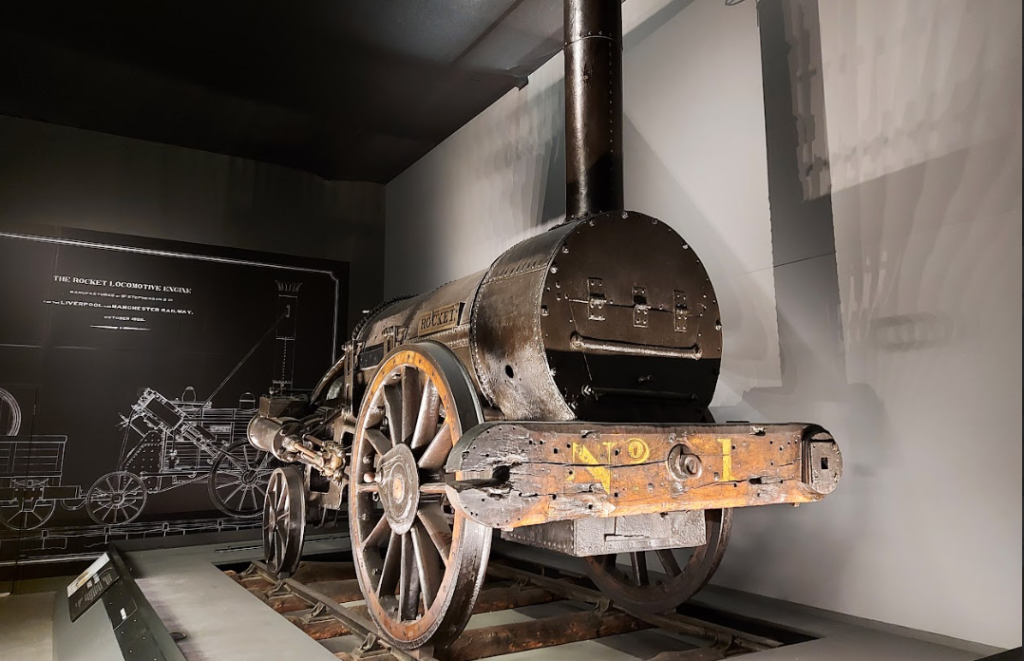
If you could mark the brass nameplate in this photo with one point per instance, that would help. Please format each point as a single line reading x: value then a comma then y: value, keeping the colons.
x: 439, y: 320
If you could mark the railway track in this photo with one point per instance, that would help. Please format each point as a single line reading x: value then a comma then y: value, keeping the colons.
x: 323, y: 600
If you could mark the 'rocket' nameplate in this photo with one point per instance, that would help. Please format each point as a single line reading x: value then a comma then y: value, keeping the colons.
x: 439, y: 320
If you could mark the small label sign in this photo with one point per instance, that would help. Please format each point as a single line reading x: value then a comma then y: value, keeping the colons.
x: 438, y: 320
x: 86, y: 590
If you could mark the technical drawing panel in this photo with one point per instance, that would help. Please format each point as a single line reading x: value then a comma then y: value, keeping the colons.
x: 129, y: 369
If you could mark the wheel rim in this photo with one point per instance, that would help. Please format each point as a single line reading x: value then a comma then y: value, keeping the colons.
x: 238, y: 479
x: 116, y: 498
x: 26, y: 514
x: 284, y: 521
x: 420, y: 563
x: 658, y: 581
x: 10, y: 414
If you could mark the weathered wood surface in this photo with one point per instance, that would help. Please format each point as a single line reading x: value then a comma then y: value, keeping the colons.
x: 311, y: 571
x: 546, y: 632
x: 491, y: 600
x: 698, y: 654
x: 282, y: 601
x: 508, y: 475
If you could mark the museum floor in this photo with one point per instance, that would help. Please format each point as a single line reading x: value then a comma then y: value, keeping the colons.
x: 224, y: 622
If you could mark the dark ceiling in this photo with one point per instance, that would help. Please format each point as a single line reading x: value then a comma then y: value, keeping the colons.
x: 346, y: 89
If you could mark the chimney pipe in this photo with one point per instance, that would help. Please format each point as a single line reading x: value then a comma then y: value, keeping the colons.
x: 593, y: 107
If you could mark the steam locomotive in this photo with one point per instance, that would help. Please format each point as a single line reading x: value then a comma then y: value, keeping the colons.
x: 560, y: 396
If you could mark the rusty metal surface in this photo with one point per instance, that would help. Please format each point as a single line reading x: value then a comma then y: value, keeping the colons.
x: 353, y: 621
x: 420, y: 569
x: 512, y: 584
x: 608, y: 318
x: 588, y: 537
x: 593, y: 107
x: 284, y: 521
x: 724, y: 636
x: 511, y: 474
x: 657, y: 582
x: 630, y: 322
x: 507, y: 335
x: 577, y: 322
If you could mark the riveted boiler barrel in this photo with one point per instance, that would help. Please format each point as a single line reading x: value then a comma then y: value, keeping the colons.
x: 609, y: 318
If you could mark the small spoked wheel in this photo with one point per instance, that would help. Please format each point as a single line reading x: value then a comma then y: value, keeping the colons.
x: 420, y: 563
x: 238, y: 479
x: 26, y: 512
x: 284, y: 521
x: 659, y: 581
x: 116, y: 498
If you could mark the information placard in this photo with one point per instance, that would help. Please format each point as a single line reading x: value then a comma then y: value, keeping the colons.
x: 86, y: 590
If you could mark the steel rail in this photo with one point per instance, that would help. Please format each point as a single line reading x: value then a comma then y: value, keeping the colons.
x: 676, y: 622
x: 356, y: 624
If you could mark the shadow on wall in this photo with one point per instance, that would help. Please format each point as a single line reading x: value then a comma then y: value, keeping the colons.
x: 912, y: 250
x: 814, y: 384
x: 807, y: 306
x: 514, y: 157
x: 549, y: 156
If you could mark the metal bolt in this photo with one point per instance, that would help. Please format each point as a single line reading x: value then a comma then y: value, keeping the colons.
x: 692, y: 465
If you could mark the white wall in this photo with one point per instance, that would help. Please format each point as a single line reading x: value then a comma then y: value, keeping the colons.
x: 55, y: 175
x: 923, y: 105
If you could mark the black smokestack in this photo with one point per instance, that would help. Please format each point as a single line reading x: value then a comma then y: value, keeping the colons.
x: 593, y: 107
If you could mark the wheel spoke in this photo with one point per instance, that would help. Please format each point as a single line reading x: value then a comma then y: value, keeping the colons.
x: 436, y: 527
x: 426, y: 422
x: 434, y: 456
x: 427, y: 566
x: 393, y: 405
x: 279, y: 542
x: 411, y: 396
x: 376, y: 536
x: 232, y: 494
x: 378, y: 440
x: 425, y: 580
x: 373, y: 417
x: 639, y: 562
x: 392, y: 567
x: 409, y: 585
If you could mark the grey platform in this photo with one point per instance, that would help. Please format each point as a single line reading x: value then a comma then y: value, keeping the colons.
x: 223, y: 622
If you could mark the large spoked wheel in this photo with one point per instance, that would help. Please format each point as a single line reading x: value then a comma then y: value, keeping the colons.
x: 238, y: 479
x: 420, y: 563
x: 659, y: 581
x: 116, y: 498
x: 284, y: 521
